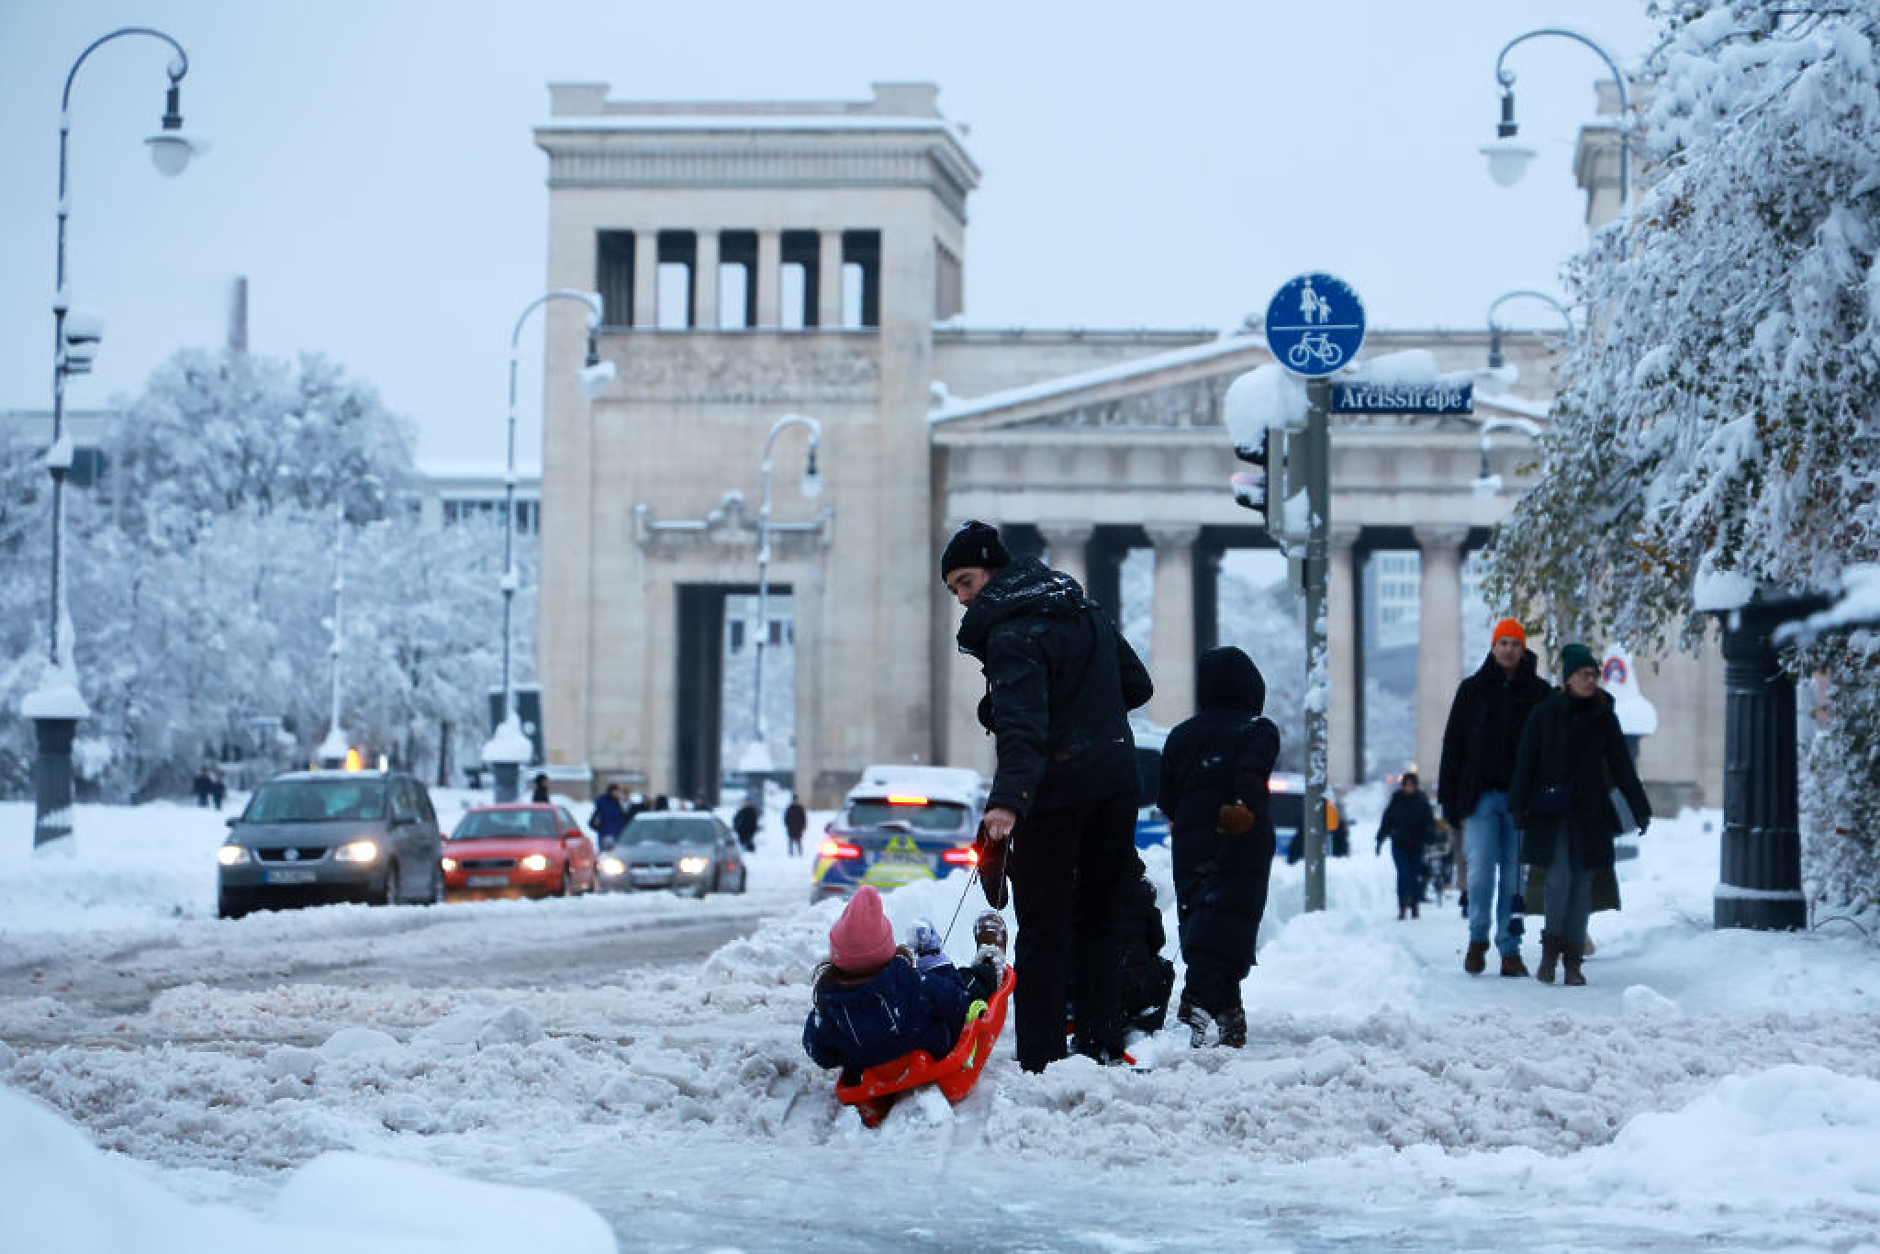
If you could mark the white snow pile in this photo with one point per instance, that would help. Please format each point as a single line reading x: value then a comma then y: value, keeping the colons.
x: 164, y: 1081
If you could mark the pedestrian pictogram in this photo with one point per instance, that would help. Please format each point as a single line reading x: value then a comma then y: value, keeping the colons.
x: 1315, y: 324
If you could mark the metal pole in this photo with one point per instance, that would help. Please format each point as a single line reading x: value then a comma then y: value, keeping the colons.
x: 1318, y: 667
x: 339, y: 585
x: 763, y: 601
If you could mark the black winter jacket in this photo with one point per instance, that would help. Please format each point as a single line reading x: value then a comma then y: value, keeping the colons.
x: 1060, y: 682
x: 1575, y: 745
x: 1407, y: 823
x: 1222, y: 755
x: 1484, y: 728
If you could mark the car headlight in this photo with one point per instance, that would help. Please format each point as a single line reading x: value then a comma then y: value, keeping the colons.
x: 449, y: 864
x: 357, y: 851
x: 230, y: 855
x: 613, y: 866
x: 693, y: 865
x: 535, y: 862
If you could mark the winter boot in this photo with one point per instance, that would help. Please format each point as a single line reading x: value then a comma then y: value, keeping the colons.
x: 1401, y: 911
x: 1587, y: 952
x: 1476, y: 960
x: 1197, y: 1021
x: 1233, y: 1026
x: 1550, y: 959
x: 1511, y: 965
x: 1572, y: 958
x: 1414, y: 912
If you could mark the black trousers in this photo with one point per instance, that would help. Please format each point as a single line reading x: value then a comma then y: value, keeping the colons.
x: 1065, y: 865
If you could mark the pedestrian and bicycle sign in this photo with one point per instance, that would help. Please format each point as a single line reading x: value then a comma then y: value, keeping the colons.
x: 1315, y: 325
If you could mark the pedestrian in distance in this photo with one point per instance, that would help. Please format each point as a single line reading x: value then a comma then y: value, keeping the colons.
x: 1216, y: 770
x: 609, y: 817
x: 1406, y: 825
x: 744, y: 823
x: 795, y: 819
x: 201, y: 787
x: 538, y: 789
x: 1572, y: 759
x: 218, y: 787
x: 1490, y: 709
x: 1061, y: 813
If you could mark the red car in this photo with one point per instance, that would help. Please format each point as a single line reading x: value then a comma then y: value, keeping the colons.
x: 521, y: 850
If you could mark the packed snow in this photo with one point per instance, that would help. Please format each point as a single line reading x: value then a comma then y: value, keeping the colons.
x: 1714, y: 1089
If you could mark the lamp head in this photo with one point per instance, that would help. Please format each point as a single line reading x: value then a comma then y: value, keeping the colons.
x: 1494, y: 347
x: 170, y: 148
x: 812, y: 481
x: 596, y: 374
x: 1507, y: 160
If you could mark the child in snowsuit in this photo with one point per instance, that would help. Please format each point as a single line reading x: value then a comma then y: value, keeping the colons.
x: 872, y: 1004
x: 988, y: 966
x: 1215, y: 769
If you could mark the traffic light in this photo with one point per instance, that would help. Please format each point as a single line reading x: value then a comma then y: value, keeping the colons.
x: 1264, y: 410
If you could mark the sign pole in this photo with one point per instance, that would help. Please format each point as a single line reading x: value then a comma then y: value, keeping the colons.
x: 1318, y: 667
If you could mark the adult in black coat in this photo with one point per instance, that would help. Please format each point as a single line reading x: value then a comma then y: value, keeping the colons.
x: 795, y: 819
x: 744, y: 823
x: 1572, y: 756
x: 1060, y: 682
x: 1407, y: 824
x: 1485, y: 721
x: 1215, y: 769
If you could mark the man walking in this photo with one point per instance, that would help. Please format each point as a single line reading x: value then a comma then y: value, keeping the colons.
x: 1406, y: 825
x: 795, y: 819
x: 744, y: 823
x: 1485, y: 724
x: 1060, y: 682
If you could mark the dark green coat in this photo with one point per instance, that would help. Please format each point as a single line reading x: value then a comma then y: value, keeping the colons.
x: 1575, y: 745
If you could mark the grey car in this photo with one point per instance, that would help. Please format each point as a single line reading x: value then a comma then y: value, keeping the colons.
x: 321, y: 836
x: 688, y: 851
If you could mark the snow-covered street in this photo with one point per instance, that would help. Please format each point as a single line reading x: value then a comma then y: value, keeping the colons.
x: 383, y: 1078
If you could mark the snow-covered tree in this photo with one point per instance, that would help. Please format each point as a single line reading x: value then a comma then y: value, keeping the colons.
x: 201, y: 582
x: 1719, y: 416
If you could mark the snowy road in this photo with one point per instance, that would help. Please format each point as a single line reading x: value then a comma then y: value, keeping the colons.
x: 1713, y: 1089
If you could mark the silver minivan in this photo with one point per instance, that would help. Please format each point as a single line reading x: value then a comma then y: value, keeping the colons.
x: 309, y: 837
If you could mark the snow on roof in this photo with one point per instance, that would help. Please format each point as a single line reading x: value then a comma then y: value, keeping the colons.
x: 1065, y: 384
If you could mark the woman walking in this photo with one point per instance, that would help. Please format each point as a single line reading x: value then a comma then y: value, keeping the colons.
x: 1571, y: 759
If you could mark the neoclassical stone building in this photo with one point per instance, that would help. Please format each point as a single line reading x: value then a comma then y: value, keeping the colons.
x: 763, y: 259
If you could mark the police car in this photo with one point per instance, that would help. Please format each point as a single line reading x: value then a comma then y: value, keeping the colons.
x: 899, y: 825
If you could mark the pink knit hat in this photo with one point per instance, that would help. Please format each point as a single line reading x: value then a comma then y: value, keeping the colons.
x: 862, y: 939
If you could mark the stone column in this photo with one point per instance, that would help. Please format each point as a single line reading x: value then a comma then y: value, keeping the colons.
x: 1344, y: 759
x: 769, y: 279
x: 1172, y: 622
x: 1068, y: 545
x: 1439, y: 638
x: 705, y: 282
x: 645, y: 279
x: 829, y: 280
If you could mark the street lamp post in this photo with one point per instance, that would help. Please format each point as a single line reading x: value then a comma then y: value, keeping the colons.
x: 55, y: 706
x: 508, y: 747
x: 1495, y: 328
x: 757, y: 758
x: 1508, y: 158
x: 334, y: 748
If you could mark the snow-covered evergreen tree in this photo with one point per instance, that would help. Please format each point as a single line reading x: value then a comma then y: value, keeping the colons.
x: 1719, y: 416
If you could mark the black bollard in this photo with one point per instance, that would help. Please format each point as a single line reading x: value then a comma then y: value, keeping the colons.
x: 52, y: 780
x: 1761, y: 882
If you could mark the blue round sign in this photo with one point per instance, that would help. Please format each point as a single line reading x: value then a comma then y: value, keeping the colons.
x: 1315, y: 324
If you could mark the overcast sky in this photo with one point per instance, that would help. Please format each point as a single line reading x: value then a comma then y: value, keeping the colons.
x: 373, y: 174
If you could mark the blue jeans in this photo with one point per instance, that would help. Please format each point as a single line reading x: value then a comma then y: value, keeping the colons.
x: 1493, y: 848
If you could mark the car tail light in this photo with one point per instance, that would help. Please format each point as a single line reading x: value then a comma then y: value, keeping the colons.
x: 906, y: 799
x: 840, y: 850
x: 969, y: 856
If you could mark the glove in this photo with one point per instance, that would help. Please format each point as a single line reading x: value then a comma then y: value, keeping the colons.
x: 1642, y: 827
x: 1234, y: 819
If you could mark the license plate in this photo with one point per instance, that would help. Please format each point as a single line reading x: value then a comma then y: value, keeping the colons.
x: 486, y: 881
x: 651, y: 877
x: 303, y: 875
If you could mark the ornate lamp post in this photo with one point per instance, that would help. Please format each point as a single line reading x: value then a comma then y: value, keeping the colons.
x: 757, y: 757
x: 1508, y: 158
x: 333, y: 748
x: 55, y: 706
x: 509, y: 748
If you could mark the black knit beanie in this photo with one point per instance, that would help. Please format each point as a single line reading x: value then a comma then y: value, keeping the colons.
x: 974, y: 544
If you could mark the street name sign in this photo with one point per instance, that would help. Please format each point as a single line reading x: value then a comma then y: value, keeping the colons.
x: 1403, y: 398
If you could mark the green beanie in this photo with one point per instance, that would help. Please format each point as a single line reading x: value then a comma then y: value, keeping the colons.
x: 1576, y: 657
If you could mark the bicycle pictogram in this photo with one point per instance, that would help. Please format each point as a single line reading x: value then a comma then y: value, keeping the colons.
x: 1314, y: 346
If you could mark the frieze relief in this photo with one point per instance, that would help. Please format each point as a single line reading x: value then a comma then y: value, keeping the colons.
x: 729, y: 532
x: 702, y: 369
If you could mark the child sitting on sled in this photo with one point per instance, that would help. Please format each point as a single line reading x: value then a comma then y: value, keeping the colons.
x: 874, y: 1004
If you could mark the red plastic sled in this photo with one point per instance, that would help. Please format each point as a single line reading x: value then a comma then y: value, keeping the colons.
x: 882, y: 1085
